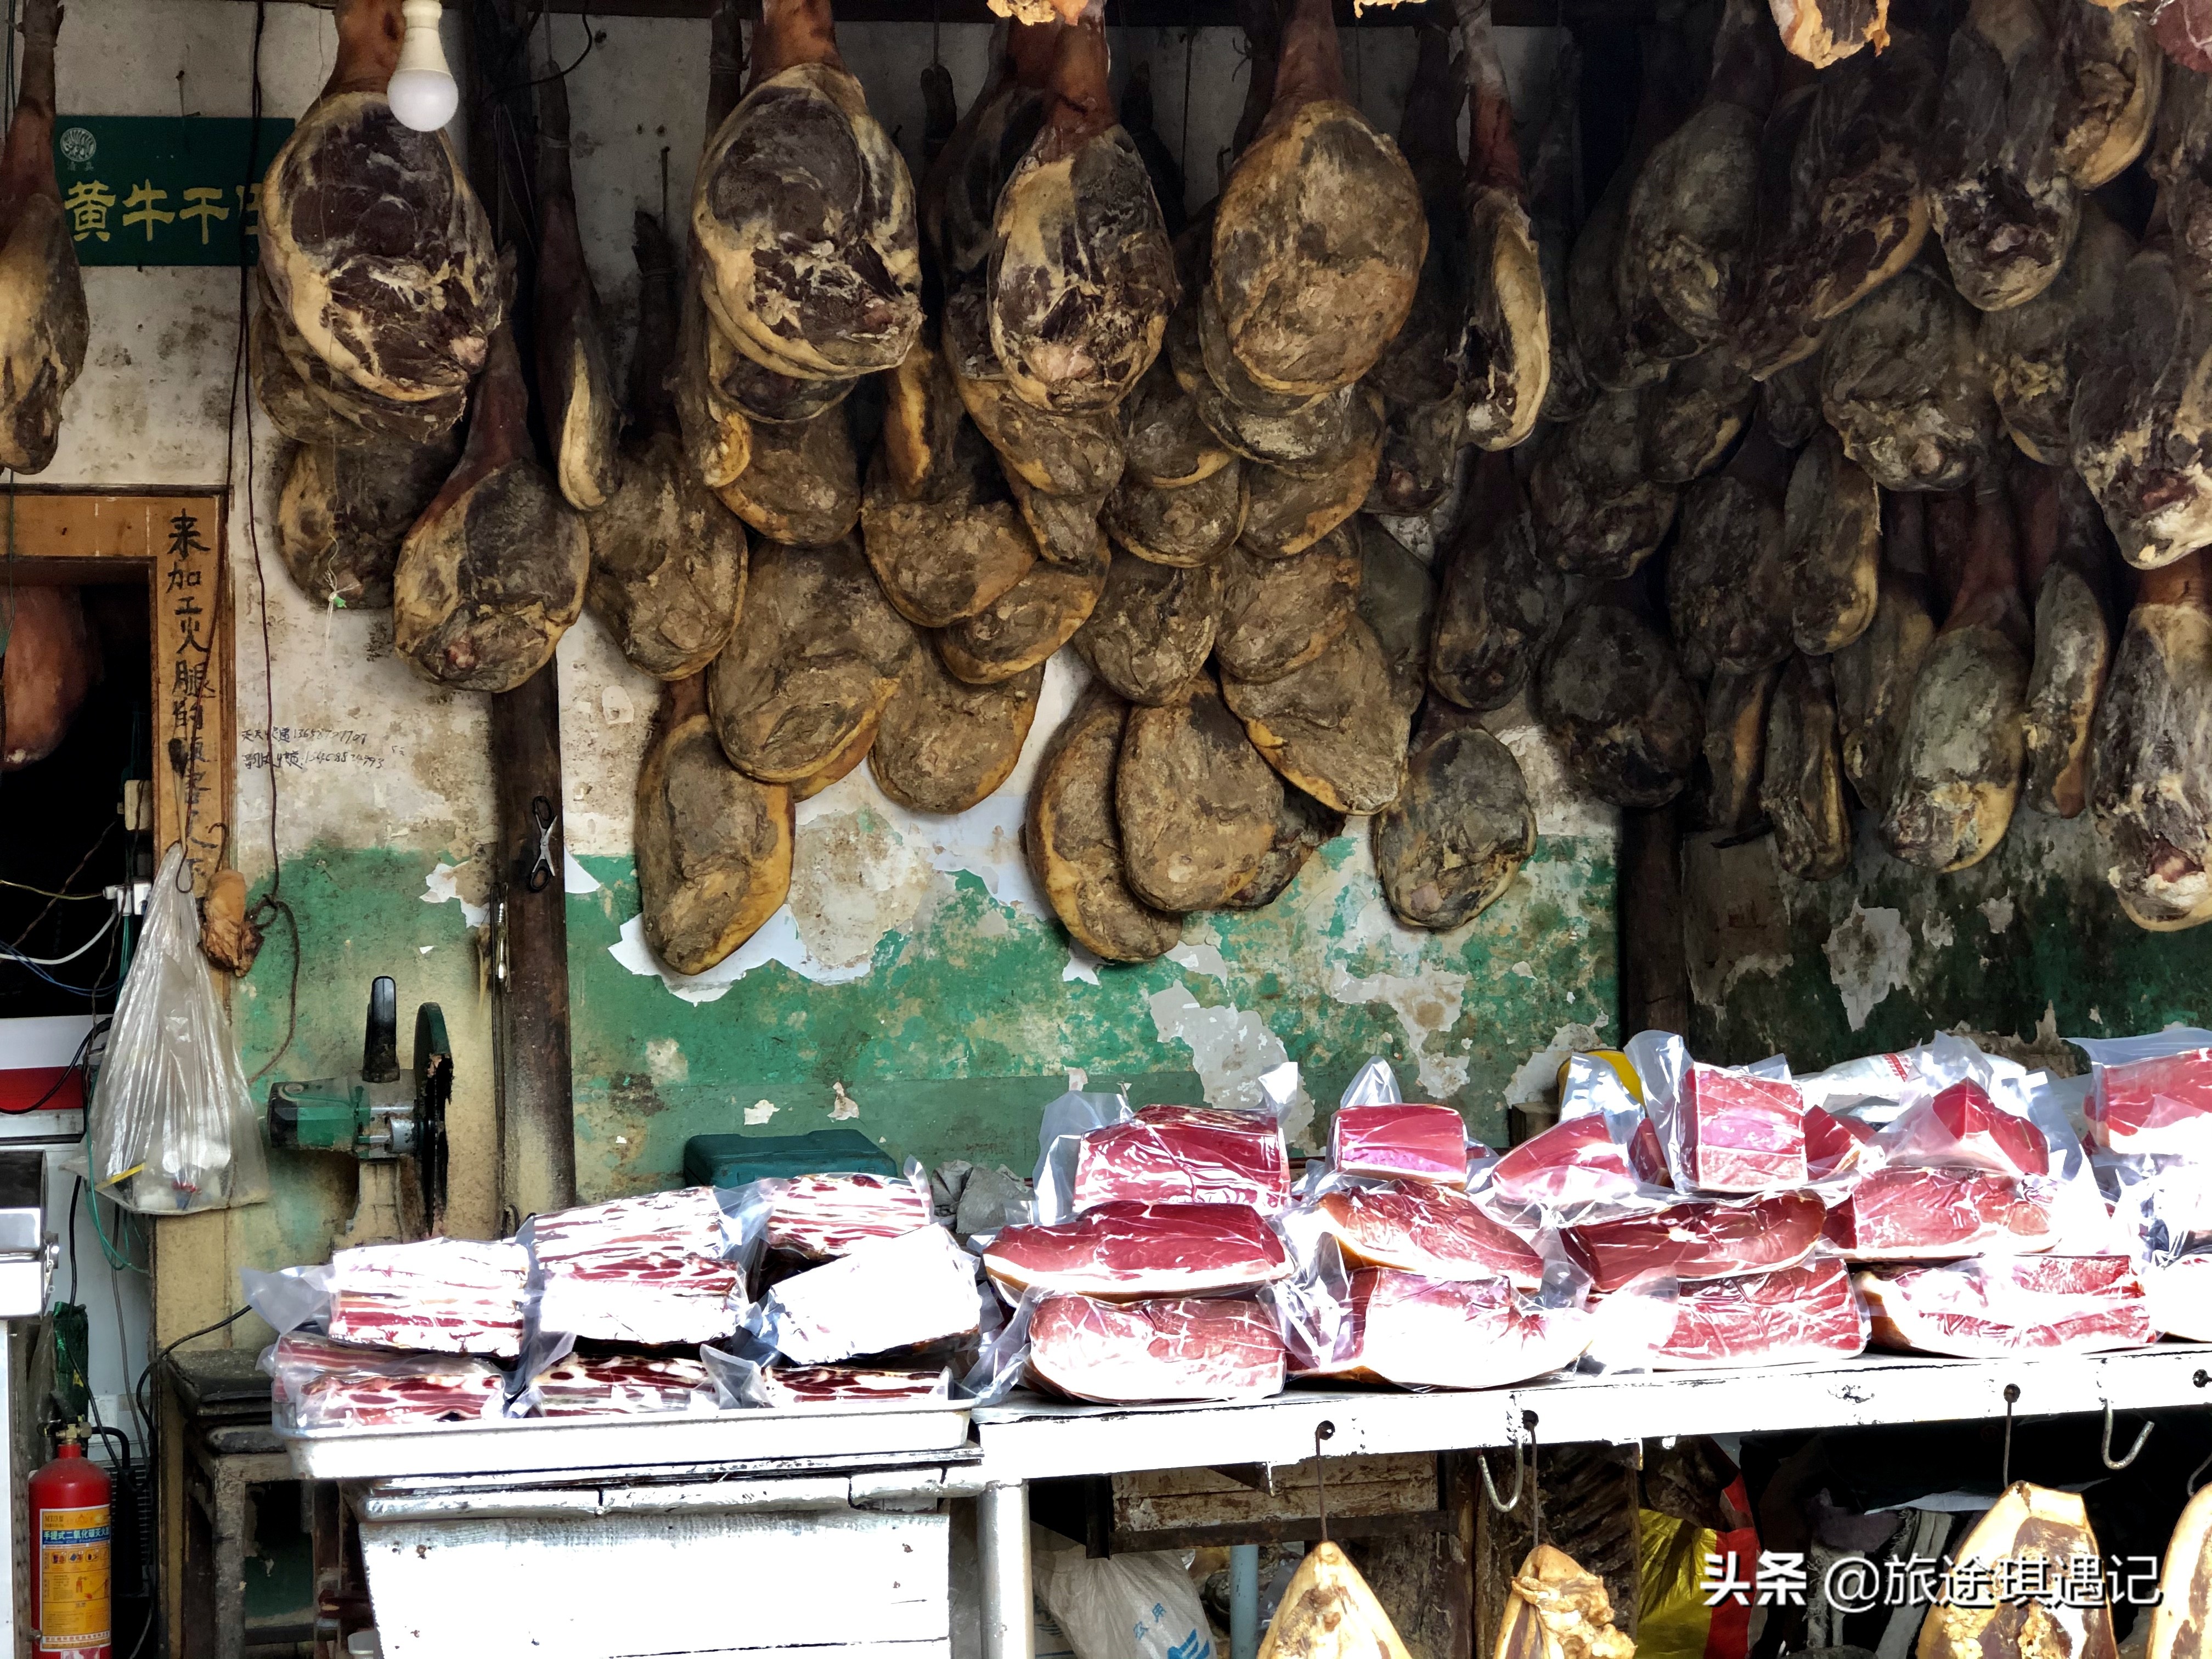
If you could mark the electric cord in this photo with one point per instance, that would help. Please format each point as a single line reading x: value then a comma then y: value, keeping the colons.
x: 76, y: 1063
x: 10, y: 953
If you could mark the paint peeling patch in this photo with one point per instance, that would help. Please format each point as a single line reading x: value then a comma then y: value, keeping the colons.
x: 1200, y: 959
x: 1081, y: 965
x: 575, y: 879
x: 842, y: 1107
x: 1230, y: 1049
x: 854, y: 879
x: 778, y: 940
x: 443, y: 885
x: 1869, y: 955
x: 1997, y: 911
x: 1938, y: 933
x: 1537, y: 1077
x: 1427, y: 1005
x: 1077, y: 1079
x: 1523, y: 970
x: 759, y: 1113
x: 665, y: 1062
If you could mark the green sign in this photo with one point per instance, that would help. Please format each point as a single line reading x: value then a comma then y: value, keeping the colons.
x: 164, y: 190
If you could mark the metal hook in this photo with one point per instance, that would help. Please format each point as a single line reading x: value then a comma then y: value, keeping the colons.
x: 548, y: 821
x: 2004, y: 1469
x: 1535, y: 1485
x: 2188, y: 1483
x: 1323, y: 1429
x: 2105, y: 1451
x: 1507, y: 1506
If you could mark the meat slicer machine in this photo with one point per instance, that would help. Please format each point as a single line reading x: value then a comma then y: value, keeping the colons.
x: 392, y: 1123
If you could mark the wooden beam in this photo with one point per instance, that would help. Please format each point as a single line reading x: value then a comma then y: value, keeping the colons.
x: 1654, y: 966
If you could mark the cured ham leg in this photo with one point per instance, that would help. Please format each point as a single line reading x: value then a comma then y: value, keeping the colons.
x: 44, y: 328
x: 1501, y: 602
x: 1803, y: 788
x: 2069, y: 564
x: 1873, y: 674
x: 1729, y: 591
x: 2111, y: 72
x: 2151, y: 766
x: 574, y: 380
x: 960, y: 195
x: 1614, y: 696
x: 1957, y: 774
x: 1832, y: 548
x: 1903, y: 382
x: 1870, y: 126
x: 2036, y: 351
x: 1505, y: 350
x: 1556, y: 210
x: 1073, y: 837
x: 1737, y: 707
x: 52, y: 661
x: 1598, y: 511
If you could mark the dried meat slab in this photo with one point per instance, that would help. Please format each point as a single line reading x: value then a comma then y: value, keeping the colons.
x: 1125, y: 1252
x: 824, y: 1216
x: 1941, y: 1215
x: 1557, y: 1606
x: 2026, y: 1523
x: 1332, y: 728
x: 344, y: 511
x: 1184, y: 1155
x: 1073, y: 838
x: 434, y: 1296
x: 882, y: 1296
x: 1699, y: 1240
x: 323, y: 1384
x: 1451, y: 843
x: 1613, y: 693
x: 1278, y: 614
x: 1168, y: 1348
x: 783, y: 1386
x: 1420, y: 1227
x: 1999, y: 1309
x: 1407, y: 1141
x: 1197, y: 803
x: 2156, y: 1106
x: 1438, y: 1333
x: 1153, y: 629
x: 1796, y: 1315
x: 943, y: 745
x: 617, y: 1385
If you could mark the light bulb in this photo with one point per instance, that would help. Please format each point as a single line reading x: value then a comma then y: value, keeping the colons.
x: 422, y: 92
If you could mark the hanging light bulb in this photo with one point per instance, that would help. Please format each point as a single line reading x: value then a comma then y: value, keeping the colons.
x: 422, y: 92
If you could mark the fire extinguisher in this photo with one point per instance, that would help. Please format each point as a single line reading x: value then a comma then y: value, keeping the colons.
x: 71, y: 1528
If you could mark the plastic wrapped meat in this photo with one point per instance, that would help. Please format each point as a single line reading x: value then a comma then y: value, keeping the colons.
x: 1709, y: 1239
x: 1432, y: 1231
x: 648, y: 1270
x: 1576, y: 1161
x: 1838, y: 1147
x: 322, y: 1384
x: 1431, y: 1333
x: 845, y: 1385
x: 617, y: 1385
x: 436, y: 1295
x: 1399, y: 1143
x: 1740, y: 1132
x: 1124, y: 1251
x: 2161, y: 1105
x: 1185, y: 1154
x: 1941, y: 1215
x: 1173, y: 1348
x: 822, y: 1216
x: 1995, y: 1309
x: 1798, y: 1315
x: 880, y: 1297
x: 2180, y: 1292
x: 1960, y: 1128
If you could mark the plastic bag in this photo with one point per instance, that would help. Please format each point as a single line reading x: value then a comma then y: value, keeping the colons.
x: 1123, y: 1250
x: 1725, y: 1129
x: 2000, y: 1310
x: 1171, y: 1154
x: 886, y: 1294
x: 434, y: 1296
x: 822, y: 1217
x: 741, y: 1384
x: 1122, y: 1607
x: 663, y: 1269
x: 2152, y: 1094
x: 172, y: 1127
x: 1066, y: 1120
x: 322, y: 1384
x: 1805, y: 1314
x: 1404, y: 1142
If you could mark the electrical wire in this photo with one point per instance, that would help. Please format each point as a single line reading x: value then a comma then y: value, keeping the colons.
x: 68, y: 881
x: 76, y: 1063
x: 10, y: 953
x: 47, y: 893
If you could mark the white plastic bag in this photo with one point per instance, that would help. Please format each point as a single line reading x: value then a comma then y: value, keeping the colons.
x: 1122, y: 1607
x: 172, y: 1127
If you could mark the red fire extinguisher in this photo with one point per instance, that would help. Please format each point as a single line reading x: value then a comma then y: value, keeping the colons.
x: 71, y: 1526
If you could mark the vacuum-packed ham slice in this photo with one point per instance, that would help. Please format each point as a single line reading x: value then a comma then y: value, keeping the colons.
x: 1736, y: 1132
x: 436, y: 1295
x: 617, y: 1385
x: 2161, y: 1106
x: 1400, y: 1142
x: 1996, y: 1309
x: 843, y: 1385
x: 42, y: 339
x: 1698, y: 1240
x: 648, y: 1270
x: 1433, y: 1334
x: 1125, y: 1251
x: 1185, y: 1154
x: 1574, y: 1162
x: 1960, y: 1128
x: 1177, y: 1348
x: 804, y: 213
x: 1436, y: 1231
x: 1941, y: 1215
x: 323, y: 1384
x: 882, y: 1294
x: 1794, y: 1316
x: 371, y: 240
x: 822, y: 1216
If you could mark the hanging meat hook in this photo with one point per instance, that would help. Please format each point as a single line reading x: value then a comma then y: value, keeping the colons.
x: 2105, y: 1451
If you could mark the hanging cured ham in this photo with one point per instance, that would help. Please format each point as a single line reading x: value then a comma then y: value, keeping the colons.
x: 344, y: 513
x: 1505, y: 350
x: 1332, y: 727
x: 1598, y: 512
x: 1802, y: 781
x: 804, y: 213
x: 1556, y: 210
x: 2184, y: 1612
x: 1869, y: 129
x: 1319, y: 235
x: 1281, y: 614
x: 1196, y: 805
x: 493, y: 573
x: 2069, y: 564
x: 1302, y: 825
x: 2111, y: 72
x: 1614, y: 696
x: 1776, y: 328
x: 51, y: 661
x: 1903, y: 381
x: 943, y: 745
x: 2002, y: 205
x: 2151, y: 766
x: 947, y: 553
x: 1734, y: 746
x: 1558, y: 1608
x: 960, y: 196
x: 1728, y: 593
x: 1073, y: 838
x: 1082, y: 277
x: 574, y: 380
x: 1831, y: 547
x: 2036, y: 351
x: 2026, y: 1522
x: 312, y: 402
x: 1956, y: 776
x: 713, y: 846
x: 371, y: 240
x: 668, y: 558
x: 1500, y: 601
x: 42, y: 337
x: 1824, y: 32
x: 1459, y: 832
x: 1873, y: 674
x: 1153, y: 629
x: 1024, y: 625
x: 1688, y: 422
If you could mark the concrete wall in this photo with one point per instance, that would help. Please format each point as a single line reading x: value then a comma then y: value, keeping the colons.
x: 916, y: 984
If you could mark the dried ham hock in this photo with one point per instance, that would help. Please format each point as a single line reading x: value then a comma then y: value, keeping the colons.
x: 1328, y: 1612
x: 42, y: 337
x: 1459, y: 832
x: 1196, y: 804
x: 668, y: 558
x: 1956, y: 776
x: 1558, y: 1609
x: 493, y: 574
x: 1903, y: 382
x: 1082, y: 276
x: 51, y: 663
x: 574, y: 383
x: 344, y: 511
x: 1613, y: 693
x: 1319, y: 235
x: 1073, y: 838
x: 1505, y: 348
x: 2038, y: 351
x: 943, y: 745
x: 1802, y: 786
x: 2151, y: 771
x: 1332, y: 727
x: 2069, y: 565
x: 1500, y: 602
x: 804, y: 213
x: 713, y: 845
x: 372, y: 242
x: 1153, y: 629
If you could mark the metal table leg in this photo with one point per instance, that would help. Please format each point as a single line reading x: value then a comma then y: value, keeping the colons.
x: 1002, y: 1538
x: 1243, y: 1601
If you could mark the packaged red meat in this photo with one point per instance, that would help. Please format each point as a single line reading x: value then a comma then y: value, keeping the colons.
x: 1837, y: 1148
x: 1434, y: 1231
x: 880, y: 1297
x: 1960, y: 1128
x: 1124, y: 1251
x: 1399, y: 1143
x: 1996, y: 1308
x: 821, y: 1216
x: 1704, y: 1238
x: 322, y: 1384
x: 2161, y: 1104
x: 1436, y: 1334
x: 1942, y: 1215
x: 434, y: 1295
x: 1163, y: 1349
x: 619, y: 1385
x: 1796, y: 1315
x: 648, y: 1270
x: 786, y: 1386
x: 1576, y: 1161
x: 1185, y: 1154
x: 1726, y: 1129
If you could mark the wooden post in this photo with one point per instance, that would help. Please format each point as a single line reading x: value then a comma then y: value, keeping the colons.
x: 1654, y: 966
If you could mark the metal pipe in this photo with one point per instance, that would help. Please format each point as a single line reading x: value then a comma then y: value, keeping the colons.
x: 1243, y: 1601
x: 1002, y: 1538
